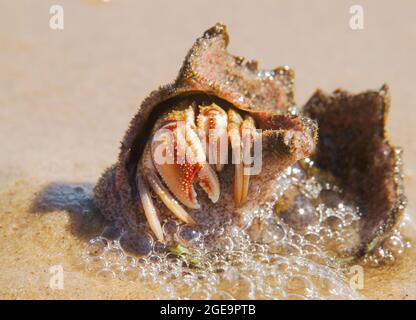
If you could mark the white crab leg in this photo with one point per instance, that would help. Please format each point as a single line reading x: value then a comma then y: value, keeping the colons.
x: 247, y: 133
x: 234, y: 126
x: 149, y: 208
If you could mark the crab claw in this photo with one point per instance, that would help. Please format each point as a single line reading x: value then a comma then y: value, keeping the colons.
x: 179, y: 158
x: 212, y: 129
x: 171, y: 203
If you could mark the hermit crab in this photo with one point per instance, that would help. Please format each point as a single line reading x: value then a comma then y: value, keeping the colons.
x: 217, y: 99
x: 190, y: 151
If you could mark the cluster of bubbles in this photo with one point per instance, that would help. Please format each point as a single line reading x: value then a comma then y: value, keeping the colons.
x: 310, y: 217
x: 389, y: 251
x: 226, y: 274
x: 295, y: 246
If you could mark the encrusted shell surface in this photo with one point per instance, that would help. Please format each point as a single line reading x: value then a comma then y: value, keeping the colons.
x: 353, y: 145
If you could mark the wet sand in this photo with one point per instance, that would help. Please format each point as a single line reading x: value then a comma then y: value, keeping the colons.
x: 67, y: 96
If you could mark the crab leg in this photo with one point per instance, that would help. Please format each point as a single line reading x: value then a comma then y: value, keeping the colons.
x: 247, y: 132
x: 234, y: 126
x: 212, y: 128
x: 149, y: 208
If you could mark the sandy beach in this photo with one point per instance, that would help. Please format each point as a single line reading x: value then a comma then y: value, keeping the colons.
x: 67, y: 96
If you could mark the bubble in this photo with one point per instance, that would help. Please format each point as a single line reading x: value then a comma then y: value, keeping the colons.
x: 301, y: 214
x: 155, y: 259
x: 131, y: 261
x: 106, y: 274
x: 310, y: 249
x: 296, y: 239
x: 348, y: 239
x: 394, y: 244
x: 245, y: 221
x: 389, y: 259
x: 325, y: 234
x: 225, y: 244
x: 312, y: 237
x: 140, y: 244
x: 94, y: 265
x: 311, y: 188
x: 383, y: 256
x: 188, y: 234
x: 130, y: 274
x: 316, y: 258
x: 349, y: 218
x: 372, y: 261
x: 95, y: 248
x: 142, y: 261
x: 272, y: 231
x: 258, y: 248
x: 170, y: 228
x: 112, y: 256
x: 333, y: 223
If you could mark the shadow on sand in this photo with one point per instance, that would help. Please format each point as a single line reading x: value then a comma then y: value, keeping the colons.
x: 77, y: 200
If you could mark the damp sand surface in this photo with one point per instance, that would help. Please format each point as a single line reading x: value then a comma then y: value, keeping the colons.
x: 55, y: 225
x: 65, y: 105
